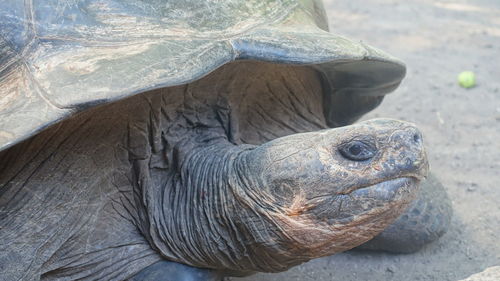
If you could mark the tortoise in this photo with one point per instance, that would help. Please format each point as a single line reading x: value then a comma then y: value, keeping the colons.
x: 186, y: 140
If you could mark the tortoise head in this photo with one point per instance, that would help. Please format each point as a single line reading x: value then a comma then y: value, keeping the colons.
x: 329, y: 191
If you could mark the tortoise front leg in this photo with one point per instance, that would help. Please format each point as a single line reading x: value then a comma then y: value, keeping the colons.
x: 172, y: 271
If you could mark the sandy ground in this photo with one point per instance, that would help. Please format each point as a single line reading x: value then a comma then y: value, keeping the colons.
x: 437, y: 40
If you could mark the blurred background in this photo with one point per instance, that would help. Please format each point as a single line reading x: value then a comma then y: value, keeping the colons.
x: 437, y: 40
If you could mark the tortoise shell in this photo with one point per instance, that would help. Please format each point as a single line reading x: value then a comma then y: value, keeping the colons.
x: 61, y: 57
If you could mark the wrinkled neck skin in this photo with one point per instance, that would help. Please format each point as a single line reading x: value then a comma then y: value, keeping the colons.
x: 214, y: 212
x: 197, y: 214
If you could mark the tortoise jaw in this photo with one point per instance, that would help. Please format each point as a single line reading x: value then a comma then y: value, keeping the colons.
x: 414, y: 177
x: 364, y: 201
x: 396, y: 189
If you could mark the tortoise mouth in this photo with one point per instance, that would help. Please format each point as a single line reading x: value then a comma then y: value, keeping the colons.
x: 365, y: 202
x: 388, y: 190
x: 376, y: 200
x: 411, y: 177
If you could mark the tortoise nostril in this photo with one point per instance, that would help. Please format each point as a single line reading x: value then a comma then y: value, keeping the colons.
x: 416, y: 137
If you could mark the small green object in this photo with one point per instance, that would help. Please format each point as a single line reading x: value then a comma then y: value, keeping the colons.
x: 467, y: 79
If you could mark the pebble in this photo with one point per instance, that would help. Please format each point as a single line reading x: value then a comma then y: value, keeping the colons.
x: 391, y: 269
x: 472, y: 187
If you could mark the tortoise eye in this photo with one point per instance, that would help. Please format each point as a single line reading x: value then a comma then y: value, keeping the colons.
x: 357, y: 150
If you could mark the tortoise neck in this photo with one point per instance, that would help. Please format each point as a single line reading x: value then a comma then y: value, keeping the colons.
x: 187, y: 212
x: 210, y: 210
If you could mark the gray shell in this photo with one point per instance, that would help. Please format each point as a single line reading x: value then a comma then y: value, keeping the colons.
x: 61, y: 57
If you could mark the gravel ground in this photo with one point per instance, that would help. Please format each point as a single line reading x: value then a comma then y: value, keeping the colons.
x: 437, y: 40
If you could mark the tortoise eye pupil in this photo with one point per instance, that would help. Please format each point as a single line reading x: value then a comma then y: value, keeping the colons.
x: 355, y: 149
x: 358, y: 150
